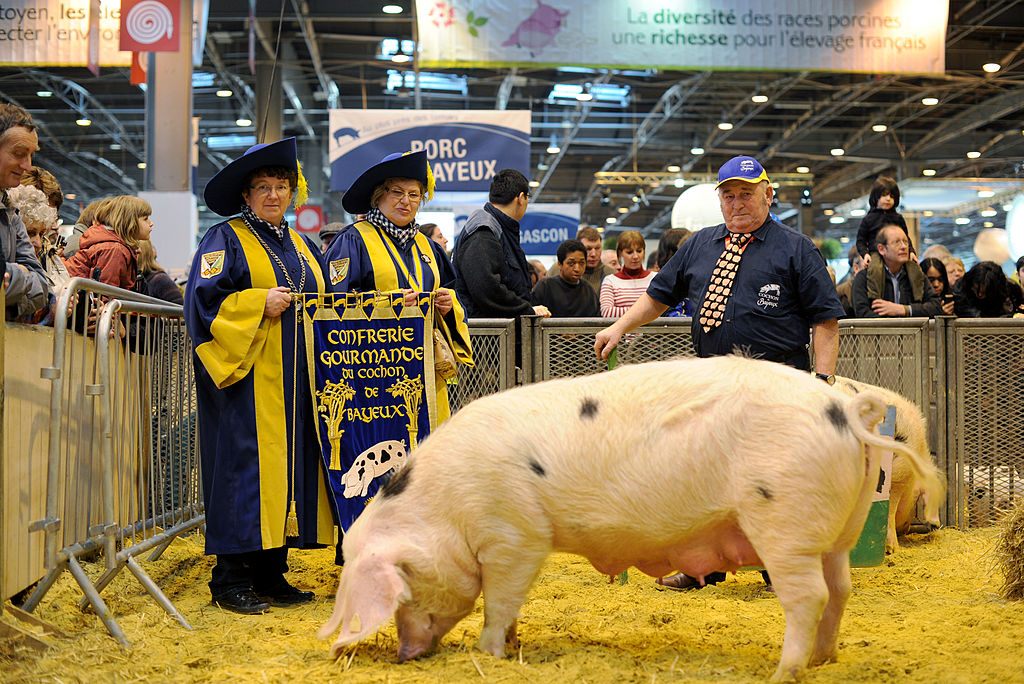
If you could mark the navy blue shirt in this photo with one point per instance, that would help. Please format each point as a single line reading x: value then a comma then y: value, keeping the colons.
x: 781, y: 289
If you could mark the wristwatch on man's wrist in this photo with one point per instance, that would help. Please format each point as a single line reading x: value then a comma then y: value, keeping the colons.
x: 827, y: 377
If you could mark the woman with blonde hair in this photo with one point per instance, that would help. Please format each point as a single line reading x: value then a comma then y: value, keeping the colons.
x: 107, y: 251
x: 153, y: 278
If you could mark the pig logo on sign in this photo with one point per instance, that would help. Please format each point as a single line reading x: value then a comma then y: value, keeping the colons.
x: 381, y: 458
x: 538, y: 30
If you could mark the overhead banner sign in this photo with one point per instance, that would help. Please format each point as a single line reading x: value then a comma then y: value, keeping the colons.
x: 870, y: 36
x: 56, y: 33
x: 541, y: 230
x: 151, y: 25
x: 465, y: 148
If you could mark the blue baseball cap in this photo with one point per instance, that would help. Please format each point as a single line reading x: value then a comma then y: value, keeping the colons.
x: 742, y: 168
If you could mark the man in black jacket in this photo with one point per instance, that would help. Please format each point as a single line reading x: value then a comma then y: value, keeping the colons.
x: 493, y: 274
x: 905, y: 292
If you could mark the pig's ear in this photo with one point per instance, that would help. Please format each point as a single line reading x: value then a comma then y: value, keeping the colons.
x: 370, y: 591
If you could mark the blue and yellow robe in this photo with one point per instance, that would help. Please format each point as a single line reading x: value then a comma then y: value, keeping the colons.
x: 364, y: 258
x: 246, y: 375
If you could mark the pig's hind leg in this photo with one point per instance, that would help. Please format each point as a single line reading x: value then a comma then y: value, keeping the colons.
x: 508, y: 572
x: 803, y: 593
x: 837, y: 576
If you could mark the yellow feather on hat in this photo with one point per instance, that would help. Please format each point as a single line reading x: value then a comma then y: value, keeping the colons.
x: 302, y: 187
x: 431, y: 182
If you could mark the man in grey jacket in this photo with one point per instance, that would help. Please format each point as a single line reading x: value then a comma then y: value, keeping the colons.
x: 24, y: 278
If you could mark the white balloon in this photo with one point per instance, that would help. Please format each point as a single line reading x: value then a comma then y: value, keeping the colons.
x: 992, y: 245
x: 1015, y: 226
x: 697, y: 208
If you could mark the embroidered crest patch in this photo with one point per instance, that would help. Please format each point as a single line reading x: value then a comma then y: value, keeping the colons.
x: 211, y: 264
x: 339, y: 270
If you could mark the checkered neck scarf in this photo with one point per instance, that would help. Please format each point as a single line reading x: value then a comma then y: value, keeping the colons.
x: 4, y: 200
x: 252, y: 220
x: 400, y: 235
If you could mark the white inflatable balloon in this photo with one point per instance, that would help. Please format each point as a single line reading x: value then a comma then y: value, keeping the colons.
x: 697, y: 208
x: 992, y: 245
x: 1015, y: 226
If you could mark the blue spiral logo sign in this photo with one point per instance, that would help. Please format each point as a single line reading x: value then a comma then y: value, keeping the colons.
x: 149, y: 21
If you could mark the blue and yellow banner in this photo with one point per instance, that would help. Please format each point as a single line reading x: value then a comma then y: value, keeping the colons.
x: 373, y: 386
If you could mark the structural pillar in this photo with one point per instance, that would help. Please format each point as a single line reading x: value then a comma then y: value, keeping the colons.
x: 169, y: 149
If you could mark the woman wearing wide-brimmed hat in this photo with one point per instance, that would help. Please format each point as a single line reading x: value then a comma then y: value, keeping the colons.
x: 263, y: 475
x: 385, y: 251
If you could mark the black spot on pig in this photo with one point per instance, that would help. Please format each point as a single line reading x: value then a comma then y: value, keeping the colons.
x: 837, y: 417
x: 537, y: 468
x: 588, y: 409
x: 881, y: 481
x: 900, y: 437
x: 398, y: 482
x: 765, y: 492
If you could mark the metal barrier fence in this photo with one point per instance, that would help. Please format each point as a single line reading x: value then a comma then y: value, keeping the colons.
x: 494, y: 344
x: 122, y: 474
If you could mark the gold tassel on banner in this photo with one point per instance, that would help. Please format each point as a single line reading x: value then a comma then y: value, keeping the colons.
x: 291, y: 525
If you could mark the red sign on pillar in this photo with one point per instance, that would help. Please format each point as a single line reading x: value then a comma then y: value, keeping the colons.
x: 309, y: 218
x: 150, y: 25
x: 139, y: 62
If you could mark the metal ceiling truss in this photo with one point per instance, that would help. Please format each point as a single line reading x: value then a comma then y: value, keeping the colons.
x: 659, y: 178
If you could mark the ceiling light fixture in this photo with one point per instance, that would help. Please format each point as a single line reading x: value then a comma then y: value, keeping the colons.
x: 391, y: 9
x: 553, y: 148
x: 962, y: 221
x: 673, y: 168
x: 725, y: 126
x: 44, y: 93
x: 400, y: 58
x: 988, y: 213
x: 141, y: 165
x: 679, y: 182
x: 611, y: 219
x: 623, y: 210
x: 857, y: 212
x: 224, y: 93
x: 828, y: 212
x: 696, y: 151
x: 927, y: 172
x: 837, y: 220
x: 70, y: 196
x: 973, y: 154
x: 928, y: 213
x: 803, y: 169
x: 534, y: 184
x: 83, y: 122
x: 585, y: 95
x: 759, y: 99
x: 930, y: 101
x: 987, y: 224
x: 879, y: 128
x: 991, y: 67
x: 984, y: 194
x: 837, y: 151
x: 243, y: 122
x: 115, y: 146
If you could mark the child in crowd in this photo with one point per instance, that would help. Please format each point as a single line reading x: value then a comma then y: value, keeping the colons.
x: 107, y: 251
x: 883, y: 200
x: 620, y: 290
x: 153, y: 278
x: 567, y: 295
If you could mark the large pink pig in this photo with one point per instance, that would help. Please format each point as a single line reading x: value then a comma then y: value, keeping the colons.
x: 697, y: 465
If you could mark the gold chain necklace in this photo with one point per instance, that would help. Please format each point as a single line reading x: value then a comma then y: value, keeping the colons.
x: 280, y: 264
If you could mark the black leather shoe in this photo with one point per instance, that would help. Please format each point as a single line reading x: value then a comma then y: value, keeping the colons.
x: 242, y: 600
x: 284, y: 595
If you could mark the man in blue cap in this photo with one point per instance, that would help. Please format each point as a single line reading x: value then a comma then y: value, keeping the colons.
x: 759, y: 288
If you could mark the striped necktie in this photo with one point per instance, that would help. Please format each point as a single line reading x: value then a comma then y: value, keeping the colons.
x: 712, y: 309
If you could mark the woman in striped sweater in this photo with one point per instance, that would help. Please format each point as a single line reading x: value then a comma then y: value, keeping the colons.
x: 620, y: 290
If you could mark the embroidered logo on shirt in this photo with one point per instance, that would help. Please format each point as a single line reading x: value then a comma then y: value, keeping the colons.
x: 768, y: 296
x: 339, y: 270
x: 211, y: 264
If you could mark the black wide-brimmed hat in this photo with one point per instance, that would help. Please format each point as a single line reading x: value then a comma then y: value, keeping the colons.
x: 412, y: 165
x: 223, y: 194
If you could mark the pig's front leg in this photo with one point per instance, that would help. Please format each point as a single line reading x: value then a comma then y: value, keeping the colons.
x: 507, y: 576
x: 800, y: 586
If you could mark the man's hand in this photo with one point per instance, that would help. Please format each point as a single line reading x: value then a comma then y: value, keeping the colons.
x: 278, y: 300
x: 884, y: 307
x: 443, y: 301
x: 947, y: 307
x: 541, y: 310
x: 605, y: 341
